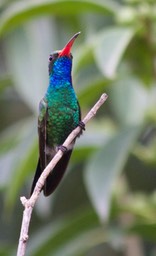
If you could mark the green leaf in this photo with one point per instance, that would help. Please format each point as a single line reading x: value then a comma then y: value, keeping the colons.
x: 21, y: 11
x: 90, y: 93
x: 107, y: 46
x: 10, y: 138
x: 82, y: 243
x: 110, y: 47
x: 14, y: 142
x: 141, y: 206
x: 64, y: 237
x: 23, y: 169
x: 5, y: 82
x: 84, y: 56
x: 4, y: 250
x: 29, y: 69
x: 21, y: 166
x: 144, y: 230
x: 104, y: 167
x: 129, y: 101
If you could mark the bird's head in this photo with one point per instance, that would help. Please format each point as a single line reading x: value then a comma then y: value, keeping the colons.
x: 57, y: 59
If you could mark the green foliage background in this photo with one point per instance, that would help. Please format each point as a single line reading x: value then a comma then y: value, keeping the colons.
x: 106, y: 203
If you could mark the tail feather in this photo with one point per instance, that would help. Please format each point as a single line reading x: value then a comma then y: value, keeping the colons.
x: 36, y: 177
x: 54, y: 177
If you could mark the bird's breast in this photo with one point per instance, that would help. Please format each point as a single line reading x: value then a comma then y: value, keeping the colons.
x: 62, y: 119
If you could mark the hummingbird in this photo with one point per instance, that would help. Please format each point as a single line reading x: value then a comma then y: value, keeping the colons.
x: 59, y: 114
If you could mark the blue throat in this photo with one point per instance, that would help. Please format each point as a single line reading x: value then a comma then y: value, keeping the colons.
x: 61, y: 73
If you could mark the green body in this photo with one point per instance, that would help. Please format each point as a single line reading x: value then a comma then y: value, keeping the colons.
x: 59, y: 114
x: 63, y: 114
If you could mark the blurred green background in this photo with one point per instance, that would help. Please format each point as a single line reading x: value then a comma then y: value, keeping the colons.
x: 106, y: 203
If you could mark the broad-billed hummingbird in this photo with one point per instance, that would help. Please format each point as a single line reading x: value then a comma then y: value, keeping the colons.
x: 59, y: 114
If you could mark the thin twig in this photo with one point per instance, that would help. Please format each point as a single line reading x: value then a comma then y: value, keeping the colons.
x: 29, y: 203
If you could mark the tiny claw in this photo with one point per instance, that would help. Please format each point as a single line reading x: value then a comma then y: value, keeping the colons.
x: 82, y: 125
x: 62, y: 148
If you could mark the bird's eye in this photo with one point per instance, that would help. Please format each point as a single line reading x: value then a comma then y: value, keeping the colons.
x: 50, y: 58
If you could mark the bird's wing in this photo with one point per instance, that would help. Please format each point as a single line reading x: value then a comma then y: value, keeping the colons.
x: 79, y: 111
x: 42, y: 120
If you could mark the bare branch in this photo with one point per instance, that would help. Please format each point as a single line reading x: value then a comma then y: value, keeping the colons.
x: 29, y: 203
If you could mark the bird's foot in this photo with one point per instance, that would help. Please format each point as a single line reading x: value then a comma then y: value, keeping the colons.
x: 62, y: 148
x: 82, y: 125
